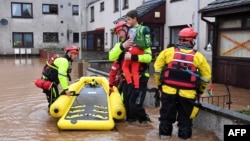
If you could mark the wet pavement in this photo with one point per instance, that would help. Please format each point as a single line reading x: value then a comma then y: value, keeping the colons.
x: 24, y: 116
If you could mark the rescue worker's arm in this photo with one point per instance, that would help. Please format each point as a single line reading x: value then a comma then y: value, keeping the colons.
x: 112, y: 74
x: 115, y: 52
x: 143, y: 58
x: 204, y: 69
x: 161, y: 61
x: 63, y: 65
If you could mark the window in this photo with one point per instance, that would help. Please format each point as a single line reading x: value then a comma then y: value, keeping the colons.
x: 92, y: 18
x: 116, y: 5
x: 230, y: 23
x: 174, y: 0
x: 174, y: 31
x: 75, y: 10
x: 102, y: 6
x: 248, y: 22
x: 155, y: 37
x: 114, y: 39
x: 21, y: 10
x: 75, y: 37
x: 234, y: 43
x: 50, y: 9
x: 22, y: 39
x: 50, y: 37
x: 210, y: 34
x: 125, y: 4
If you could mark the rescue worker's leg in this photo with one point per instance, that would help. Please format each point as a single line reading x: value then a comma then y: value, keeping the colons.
x: 137, y: 100
x: 52, y: 94
x: 168, y: 112
x: 127, y: 90
x: 48, y: 93
x: 183, y: 118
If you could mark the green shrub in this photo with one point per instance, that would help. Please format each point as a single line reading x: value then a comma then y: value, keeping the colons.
x: 246, y: 112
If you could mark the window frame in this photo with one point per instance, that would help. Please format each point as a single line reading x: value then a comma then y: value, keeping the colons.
x: 50, y: 13
x: 92, y: 14
x: 22, y: 43
x: 102, y: 6
x: 231, y: 36
x: 21, y: 6
x: 125, y: 4
x: 74, y: 13
x: 116, y: 5
x: 76, y: 39
x: 50, y: 41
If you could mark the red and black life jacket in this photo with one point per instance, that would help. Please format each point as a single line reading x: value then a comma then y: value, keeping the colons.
x: 175, y: 74
x: 50, y: 70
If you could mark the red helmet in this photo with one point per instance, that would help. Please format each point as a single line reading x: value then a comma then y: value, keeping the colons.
x: 187, y: 34
x: 119, y: 26
x: 72, y: 48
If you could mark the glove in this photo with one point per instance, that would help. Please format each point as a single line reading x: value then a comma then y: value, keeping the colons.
x: 160, y: 88
x: 157, y: 98
x: 198, y: 92
x: 198, y: 95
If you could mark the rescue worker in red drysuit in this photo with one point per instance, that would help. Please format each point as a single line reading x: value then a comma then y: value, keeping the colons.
x: 133, y: 102
x: 181, y: 74
x: 57, y: 71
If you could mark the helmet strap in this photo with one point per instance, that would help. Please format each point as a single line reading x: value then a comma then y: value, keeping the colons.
x: 68, y: 56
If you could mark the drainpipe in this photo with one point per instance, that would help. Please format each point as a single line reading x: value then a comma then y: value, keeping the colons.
x: 80, y: 29
x: 197, y: 23
x: 120, y: 8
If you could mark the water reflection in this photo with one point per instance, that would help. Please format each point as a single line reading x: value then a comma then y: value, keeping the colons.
x: 24, y: 113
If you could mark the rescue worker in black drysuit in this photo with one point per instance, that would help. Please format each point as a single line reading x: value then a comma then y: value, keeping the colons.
x: 57, y: 71
x: 181, y: 74
x: 133, y: 101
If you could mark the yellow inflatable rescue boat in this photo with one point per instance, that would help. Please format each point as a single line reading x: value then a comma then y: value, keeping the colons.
x: 90, y: 107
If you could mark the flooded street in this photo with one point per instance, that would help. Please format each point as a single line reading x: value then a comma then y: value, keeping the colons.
x: 24, y: 116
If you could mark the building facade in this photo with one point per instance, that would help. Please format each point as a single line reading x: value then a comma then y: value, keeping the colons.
x: 57, y: 23
x: 29, y: 24
x: 231, y: 44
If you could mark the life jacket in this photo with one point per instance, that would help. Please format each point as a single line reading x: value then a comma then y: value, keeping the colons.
x: 50, y: 70
x: 175, y: 74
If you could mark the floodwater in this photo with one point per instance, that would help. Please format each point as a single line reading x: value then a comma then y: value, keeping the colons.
x: 24, y: 116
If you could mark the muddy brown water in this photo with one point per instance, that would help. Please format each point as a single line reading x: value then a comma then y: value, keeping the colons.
x: 24, y: 116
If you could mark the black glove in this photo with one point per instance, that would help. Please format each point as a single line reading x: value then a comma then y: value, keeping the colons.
x: 160, y: 88
x: 198, y: 95
x: 157, y: 98
x: 198, y: 92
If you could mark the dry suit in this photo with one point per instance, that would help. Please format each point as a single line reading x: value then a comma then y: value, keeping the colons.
x: 178, y: 72
x: 57, y: 70
x: 133, y: 100
x: 115, y: 76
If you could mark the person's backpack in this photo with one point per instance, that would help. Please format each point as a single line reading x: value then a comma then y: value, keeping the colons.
x: 143, y: 37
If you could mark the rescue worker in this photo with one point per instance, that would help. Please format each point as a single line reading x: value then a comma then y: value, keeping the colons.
x: 57, y: 71
x: 181, y: 74
x: 133, y: 103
